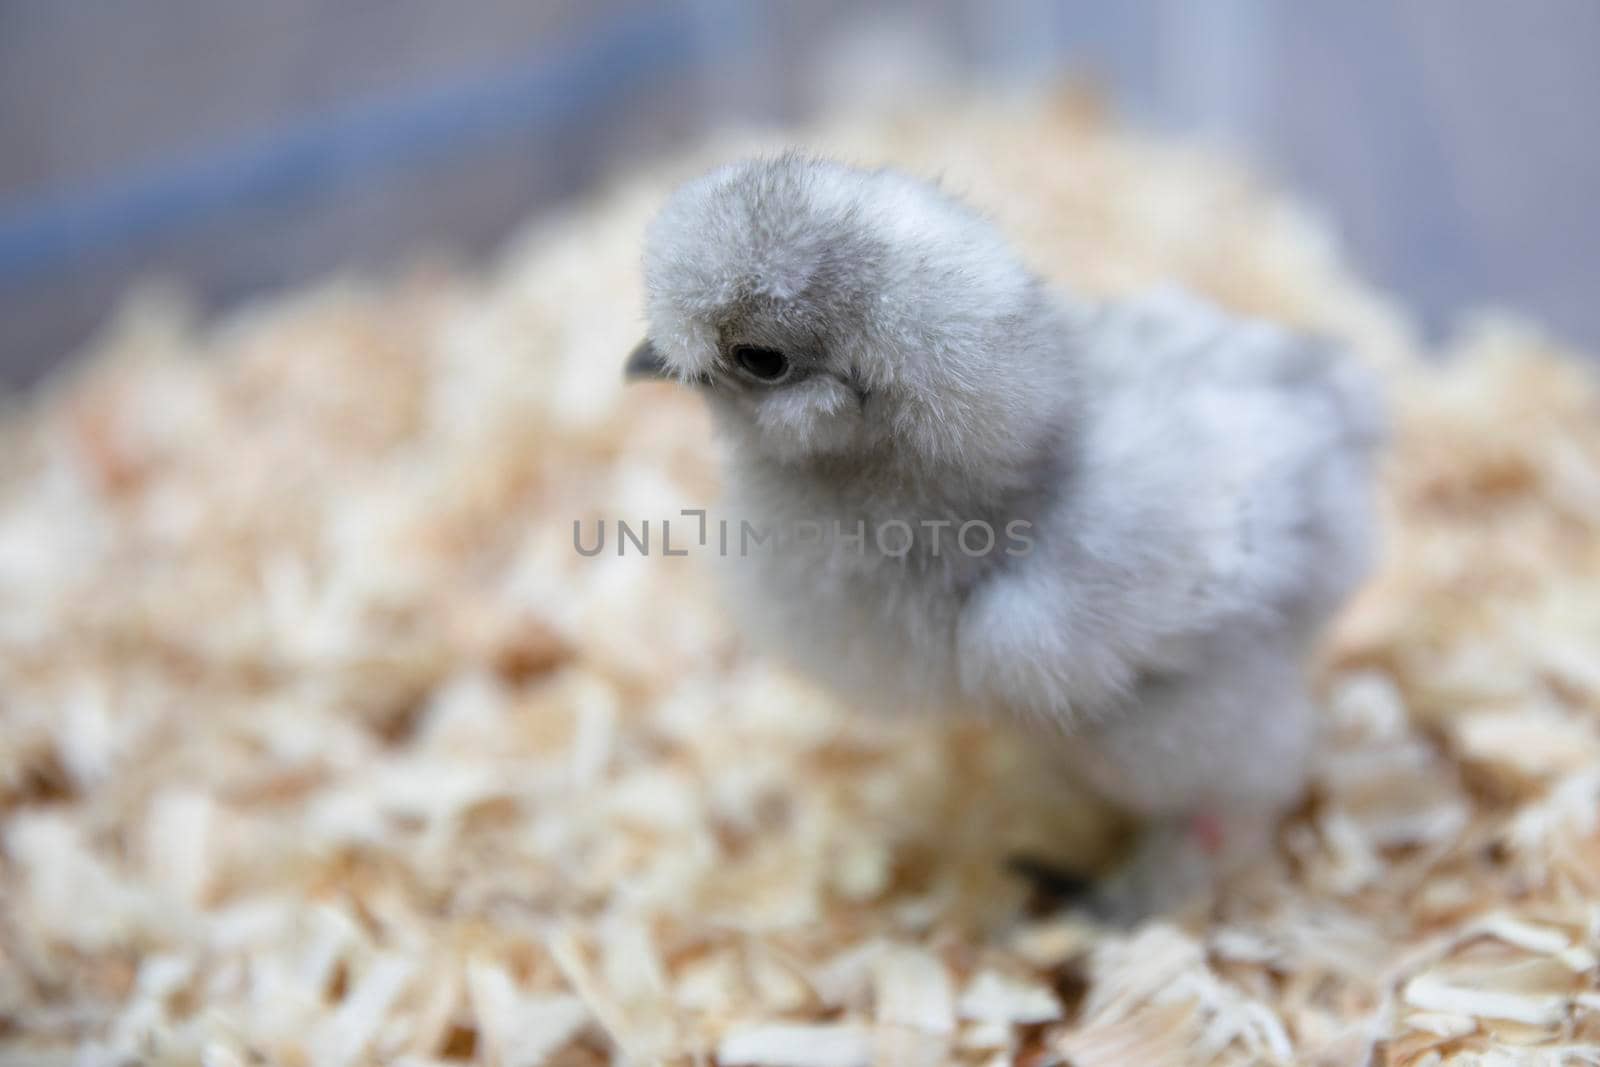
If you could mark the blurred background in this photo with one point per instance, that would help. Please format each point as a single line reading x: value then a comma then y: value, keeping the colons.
x: 241, y: 147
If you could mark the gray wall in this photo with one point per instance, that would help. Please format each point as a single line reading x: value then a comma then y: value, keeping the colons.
x: 247, y: 146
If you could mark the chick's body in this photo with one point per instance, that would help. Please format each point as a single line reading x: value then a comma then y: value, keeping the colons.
x: 1124, y: 523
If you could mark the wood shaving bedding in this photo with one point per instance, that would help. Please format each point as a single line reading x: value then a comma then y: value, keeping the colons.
x: 319, y: 743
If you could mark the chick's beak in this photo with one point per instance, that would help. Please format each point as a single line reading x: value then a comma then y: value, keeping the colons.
x: 645, y: 364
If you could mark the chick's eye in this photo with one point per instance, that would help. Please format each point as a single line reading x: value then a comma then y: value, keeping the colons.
x: 764, y: 364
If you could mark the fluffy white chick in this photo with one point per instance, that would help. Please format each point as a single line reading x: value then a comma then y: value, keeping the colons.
x: 1124, y: 522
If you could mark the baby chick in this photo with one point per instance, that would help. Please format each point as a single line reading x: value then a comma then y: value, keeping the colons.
x: 1126, y: 523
